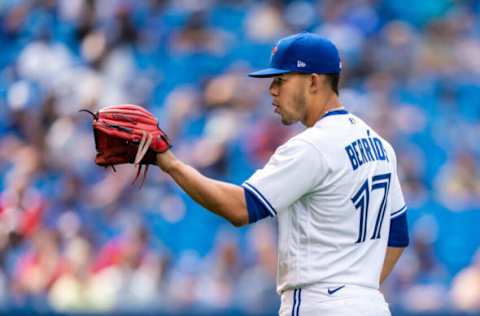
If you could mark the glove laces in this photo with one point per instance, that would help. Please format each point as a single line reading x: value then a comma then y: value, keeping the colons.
x: 145, y: 143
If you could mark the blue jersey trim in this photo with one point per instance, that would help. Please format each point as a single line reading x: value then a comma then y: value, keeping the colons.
x: 256, y: 209
x: 261, y: 198
x: 399, y: 212
x: 336, y: 112
x: 398, y: 236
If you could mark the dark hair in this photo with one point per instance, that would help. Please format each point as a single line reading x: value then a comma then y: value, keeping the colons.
x: 334, y: 81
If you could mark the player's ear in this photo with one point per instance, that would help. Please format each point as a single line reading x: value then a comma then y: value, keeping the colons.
x: 315, y: 82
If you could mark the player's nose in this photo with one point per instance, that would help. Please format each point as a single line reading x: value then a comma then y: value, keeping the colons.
x: 273, y: 89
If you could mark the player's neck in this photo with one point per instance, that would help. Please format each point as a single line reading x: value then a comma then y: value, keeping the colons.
x: 320, y: 107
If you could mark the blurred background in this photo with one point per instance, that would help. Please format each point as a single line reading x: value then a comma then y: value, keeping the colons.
x: 78, y: 238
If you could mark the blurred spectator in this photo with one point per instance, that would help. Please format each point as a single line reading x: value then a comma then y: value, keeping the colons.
x: 411, y: 165
x: 420, y: 282
x: 197, y: 36
x: 128, y: 250
x: 71, y: 291
x: 216, y: 286
x: 466, y: 287
x: 126, y: 274
x: 264, y: 22
x: 38, y: 269
x: 458, y: 183
x: 266, y: 137
x: 256, y: 288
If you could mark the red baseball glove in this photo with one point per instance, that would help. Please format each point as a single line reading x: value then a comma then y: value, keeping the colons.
x: 127, y: 134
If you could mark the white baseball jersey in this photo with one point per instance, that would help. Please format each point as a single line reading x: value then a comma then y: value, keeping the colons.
x: 334, y: 189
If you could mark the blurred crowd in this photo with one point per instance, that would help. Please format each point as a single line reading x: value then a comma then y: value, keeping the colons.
x: 76, y: 237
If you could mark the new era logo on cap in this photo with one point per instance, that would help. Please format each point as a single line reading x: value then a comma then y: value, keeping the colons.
x: 301, y: 64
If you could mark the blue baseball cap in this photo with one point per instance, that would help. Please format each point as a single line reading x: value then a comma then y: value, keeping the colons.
x: 304, y: 53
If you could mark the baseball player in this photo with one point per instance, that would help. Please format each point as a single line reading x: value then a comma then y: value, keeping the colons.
x: 334, y: 189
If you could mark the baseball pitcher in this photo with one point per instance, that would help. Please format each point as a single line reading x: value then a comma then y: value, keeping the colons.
x: 333, y: 188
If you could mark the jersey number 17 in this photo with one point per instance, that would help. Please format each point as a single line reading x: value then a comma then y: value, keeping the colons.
x: 361, y: 201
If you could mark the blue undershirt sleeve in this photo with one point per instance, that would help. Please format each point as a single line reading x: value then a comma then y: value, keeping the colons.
x: 398, y: 236
x: 256, y: 209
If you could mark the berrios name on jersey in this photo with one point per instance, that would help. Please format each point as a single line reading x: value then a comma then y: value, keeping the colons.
x: 365, y: 150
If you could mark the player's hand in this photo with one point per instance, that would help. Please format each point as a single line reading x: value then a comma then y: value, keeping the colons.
x: 127, y: 134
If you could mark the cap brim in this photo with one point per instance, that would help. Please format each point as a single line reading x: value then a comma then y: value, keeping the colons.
x: 269, y: 72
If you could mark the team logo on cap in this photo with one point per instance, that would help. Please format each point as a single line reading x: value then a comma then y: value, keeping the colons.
x: 274, y: 49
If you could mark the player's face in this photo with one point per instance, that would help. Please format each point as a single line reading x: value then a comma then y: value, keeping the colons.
x: 289, y: 97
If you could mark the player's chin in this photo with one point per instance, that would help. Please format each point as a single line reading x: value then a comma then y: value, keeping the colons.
x: 285, y: 118
x: 286, y: 121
